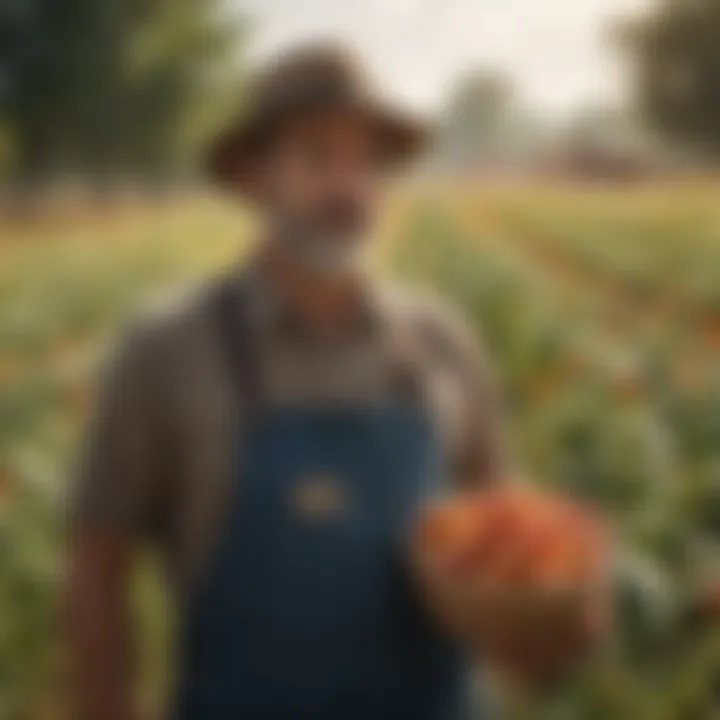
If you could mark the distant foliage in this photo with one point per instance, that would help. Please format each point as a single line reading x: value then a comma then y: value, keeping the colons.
x: 114, y: 87
x: 675, y: 51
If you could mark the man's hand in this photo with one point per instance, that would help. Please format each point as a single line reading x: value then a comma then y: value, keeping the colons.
x: 98, y: 626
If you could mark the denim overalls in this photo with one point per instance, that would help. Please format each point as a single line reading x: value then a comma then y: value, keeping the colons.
x: 306, y: 611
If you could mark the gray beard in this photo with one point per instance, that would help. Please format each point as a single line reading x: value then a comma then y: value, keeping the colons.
x: 326, y: 256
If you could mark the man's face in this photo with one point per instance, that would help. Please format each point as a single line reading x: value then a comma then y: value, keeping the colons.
x: 319, y: 184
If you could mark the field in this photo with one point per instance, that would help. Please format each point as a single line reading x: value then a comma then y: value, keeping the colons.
x: 602, y: 310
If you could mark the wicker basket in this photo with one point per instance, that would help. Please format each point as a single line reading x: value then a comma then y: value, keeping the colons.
x: 475, y: 611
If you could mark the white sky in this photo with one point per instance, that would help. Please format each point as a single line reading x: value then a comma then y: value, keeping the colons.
x: 555, y: 50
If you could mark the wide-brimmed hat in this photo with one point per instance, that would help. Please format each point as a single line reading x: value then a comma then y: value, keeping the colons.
x: 305, y: 79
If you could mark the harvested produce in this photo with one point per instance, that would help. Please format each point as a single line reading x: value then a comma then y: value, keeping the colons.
x: 501, y: 560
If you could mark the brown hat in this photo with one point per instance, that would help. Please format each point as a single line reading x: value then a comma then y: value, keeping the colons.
x: 304, y: 79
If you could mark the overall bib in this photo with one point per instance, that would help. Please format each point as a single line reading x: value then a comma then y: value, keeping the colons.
x: 306, y: 611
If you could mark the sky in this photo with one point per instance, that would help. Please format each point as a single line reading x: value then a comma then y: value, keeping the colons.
x: 556, y: 51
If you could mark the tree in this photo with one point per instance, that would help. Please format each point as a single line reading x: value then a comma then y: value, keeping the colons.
x: 477, y: 113
x: 115, y: 86
x: 675, y: 52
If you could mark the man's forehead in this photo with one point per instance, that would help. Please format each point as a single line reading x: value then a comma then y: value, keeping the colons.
x: 329, y: 125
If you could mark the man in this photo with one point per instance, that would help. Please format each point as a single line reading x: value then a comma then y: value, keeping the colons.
x: 274, y: 436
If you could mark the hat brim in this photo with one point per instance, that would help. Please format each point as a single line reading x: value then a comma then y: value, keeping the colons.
x: 401, y: 138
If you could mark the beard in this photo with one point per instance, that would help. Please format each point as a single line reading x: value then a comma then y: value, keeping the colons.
x: 325, y: 255
x: 330, y: 244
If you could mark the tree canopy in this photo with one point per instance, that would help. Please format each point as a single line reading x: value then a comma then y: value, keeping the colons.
x: 675, y: 53
x: 118, y: 86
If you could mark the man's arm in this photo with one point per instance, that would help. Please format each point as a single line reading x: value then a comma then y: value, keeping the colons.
x: 98, y: 626
x: 110, y: 511
x: 478, y: 454
x: 481, y: 458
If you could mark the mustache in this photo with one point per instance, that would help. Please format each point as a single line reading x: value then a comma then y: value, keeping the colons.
x: 342, y: 213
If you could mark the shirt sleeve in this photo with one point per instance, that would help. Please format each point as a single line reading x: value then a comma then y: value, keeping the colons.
x: 118, y: 471
x: 477, y: 450
x: 480, y: 456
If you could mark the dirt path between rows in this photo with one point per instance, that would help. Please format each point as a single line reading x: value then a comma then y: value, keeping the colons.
x: 624, y: 308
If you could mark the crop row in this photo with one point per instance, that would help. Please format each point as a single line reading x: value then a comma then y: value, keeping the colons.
x: 666, y: 244
x: 611, y: 424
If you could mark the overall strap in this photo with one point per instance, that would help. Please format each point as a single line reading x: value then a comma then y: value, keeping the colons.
x: 238, y: 344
